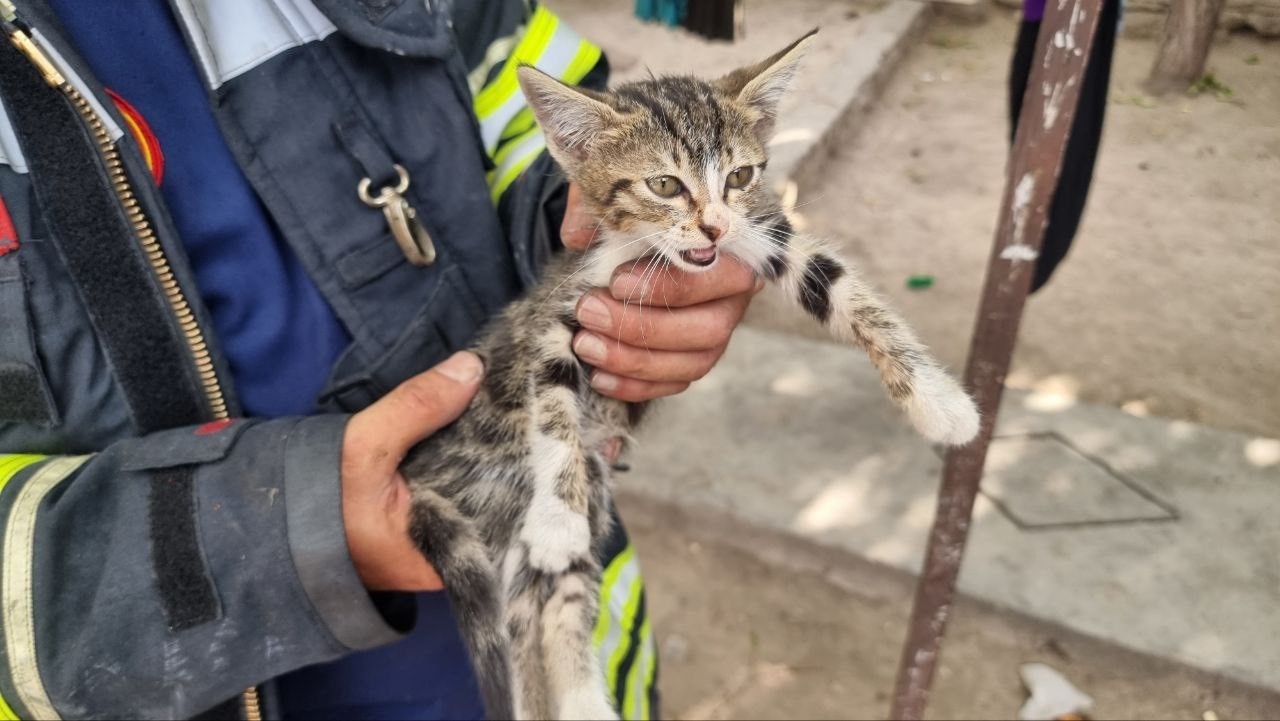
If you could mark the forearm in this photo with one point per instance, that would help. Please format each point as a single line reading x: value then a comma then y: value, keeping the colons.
x: 167, y: 573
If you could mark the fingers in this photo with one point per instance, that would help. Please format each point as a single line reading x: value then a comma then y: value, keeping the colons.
x: 578, y: 228
x: 670, y: 287
x: 415, y: 409
x: 695, y: 328
x: 618, y: 358
x: 632, y: 390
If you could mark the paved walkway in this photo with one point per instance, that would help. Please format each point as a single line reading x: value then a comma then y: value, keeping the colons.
x: 1158, y: 535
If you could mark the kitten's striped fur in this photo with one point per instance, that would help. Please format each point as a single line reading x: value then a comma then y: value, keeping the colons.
x: 511, y: 502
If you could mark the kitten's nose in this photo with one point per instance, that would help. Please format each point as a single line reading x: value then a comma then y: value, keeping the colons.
x: 713, y: 232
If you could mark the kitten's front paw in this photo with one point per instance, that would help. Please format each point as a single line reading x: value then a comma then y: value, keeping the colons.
x: 941, y: 410
x: 556, y: 535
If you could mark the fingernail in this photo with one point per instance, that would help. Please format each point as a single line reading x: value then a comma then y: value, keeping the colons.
x: 625, y: 286
x: 462, y: 367
x: 759, y: 285
x: 590, y: 348
x: 604, y: 382
x: 593, y: 313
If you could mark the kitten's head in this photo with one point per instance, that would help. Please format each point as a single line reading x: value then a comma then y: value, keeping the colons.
x: 671, y: 165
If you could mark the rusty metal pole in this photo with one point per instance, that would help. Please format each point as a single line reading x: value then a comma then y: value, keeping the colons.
x: 1062, y: 51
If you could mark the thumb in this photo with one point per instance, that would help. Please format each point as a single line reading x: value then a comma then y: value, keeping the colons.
x: 415, y: 409
x: 578, y: 229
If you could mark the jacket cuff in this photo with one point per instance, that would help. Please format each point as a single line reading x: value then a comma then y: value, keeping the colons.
x: 318, y: 539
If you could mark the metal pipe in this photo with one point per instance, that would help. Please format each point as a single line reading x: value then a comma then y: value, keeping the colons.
x: 1063, y: 46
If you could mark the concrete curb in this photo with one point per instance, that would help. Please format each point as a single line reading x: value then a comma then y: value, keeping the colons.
x: 859, y: 77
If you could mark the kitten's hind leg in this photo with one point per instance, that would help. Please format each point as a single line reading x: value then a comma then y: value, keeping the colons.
x: 574, y: 673
x: 829, y: 289
x: 550, y: 619
x: 528, y: 590
x: 452, y: 544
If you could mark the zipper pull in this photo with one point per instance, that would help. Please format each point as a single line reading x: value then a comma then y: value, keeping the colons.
x: 22, y: 41
x: 412, y: 237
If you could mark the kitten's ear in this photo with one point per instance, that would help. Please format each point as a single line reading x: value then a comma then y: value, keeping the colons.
x: 761, y: 86
x: 569, y: 117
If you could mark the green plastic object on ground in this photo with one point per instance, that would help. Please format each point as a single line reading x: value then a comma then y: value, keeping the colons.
x: 919, y: 282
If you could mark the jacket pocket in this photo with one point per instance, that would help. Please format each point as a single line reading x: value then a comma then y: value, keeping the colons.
x: 24, y: 390
x: 447, y: 322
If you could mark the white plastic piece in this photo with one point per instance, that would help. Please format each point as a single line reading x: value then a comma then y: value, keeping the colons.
x: 1052, y: 695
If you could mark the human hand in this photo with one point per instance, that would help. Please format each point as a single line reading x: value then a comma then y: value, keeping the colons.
x: 653, y: 333
x: 375, y: 495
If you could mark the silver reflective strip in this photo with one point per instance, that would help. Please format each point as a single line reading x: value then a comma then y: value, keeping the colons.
x: 233, y: 37
x: 16, y: 586
x: 497, y: 53
x: 619, y: 593
x: 78, y: 83
x: 521, y: 152
x: 10, y: 151
x: 554, y: 61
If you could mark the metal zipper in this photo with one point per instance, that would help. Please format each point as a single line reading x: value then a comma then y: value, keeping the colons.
x: 151, y: 248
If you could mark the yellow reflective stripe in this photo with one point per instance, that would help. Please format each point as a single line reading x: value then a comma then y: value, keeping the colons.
x: 520, y: 128
x: 513, y: 159
x: 650, y: 670
x: 541, y: 27
x: 607, y: 583
x: 519, y: 125
x: 625, y: 623
x: 585, y: 59
x: 552, y: 47
x: 496, y: 53
x: 635, y: 704
x: 15, y: 586
x: 10, y: 465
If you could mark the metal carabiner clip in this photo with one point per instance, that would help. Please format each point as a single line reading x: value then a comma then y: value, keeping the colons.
x: 412, y: 237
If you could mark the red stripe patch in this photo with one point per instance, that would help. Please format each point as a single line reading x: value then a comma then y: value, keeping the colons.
x: 8, y: 236
x: 142, y: 133
x: 213, y: 427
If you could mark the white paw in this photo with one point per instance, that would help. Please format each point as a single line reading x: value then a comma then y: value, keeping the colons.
x: 941, y: 410
x: 556, y: 534
x: 586, y: 703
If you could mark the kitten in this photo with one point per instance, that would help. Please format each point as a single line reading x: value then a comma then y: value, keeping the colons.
x: 512, y: 502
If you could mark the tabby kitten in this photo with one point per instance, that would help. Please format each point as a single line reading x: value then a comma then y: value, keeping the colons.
x: 512, y: 501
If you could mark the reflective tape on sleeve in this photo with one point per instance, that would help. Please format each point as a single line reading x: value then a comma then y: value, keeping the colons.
x: 554, y: 48
x: 18, y: 573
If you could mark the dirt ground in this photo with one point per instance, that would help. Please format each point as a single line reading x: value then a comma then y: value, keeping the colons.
x: 1169, y: 303
x: 809, y: 634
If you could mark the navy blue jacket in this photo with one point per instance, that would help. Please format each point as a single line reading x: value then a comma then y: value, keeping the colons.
x: 160, y: 553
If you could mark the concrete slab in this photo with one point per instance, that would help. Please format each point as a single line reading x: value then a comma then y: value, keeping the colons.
x: 796, y: 435
x: 1041, y: 481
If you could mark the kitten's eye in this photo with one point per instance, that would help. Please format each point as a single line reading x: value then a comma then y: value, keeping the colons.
x: 739, y: 178
x: 665, y: 186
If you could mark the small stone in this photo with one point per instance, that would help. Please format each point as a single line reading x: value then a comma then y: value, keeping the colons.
x: 675, y: 649
x: 1144, y: 165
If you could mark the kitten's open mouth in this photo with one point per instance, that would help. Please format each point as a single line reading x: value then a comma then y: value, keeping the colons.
x: 699, y: 256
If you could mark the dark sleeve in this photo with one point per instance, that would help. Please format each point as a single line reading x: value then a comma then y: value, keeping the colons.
x: 166, y: 574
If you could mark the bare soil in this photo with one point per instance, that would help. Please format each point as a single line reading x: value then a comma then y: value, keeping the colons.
x: 813, y: 634
x: 1169, y: 303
